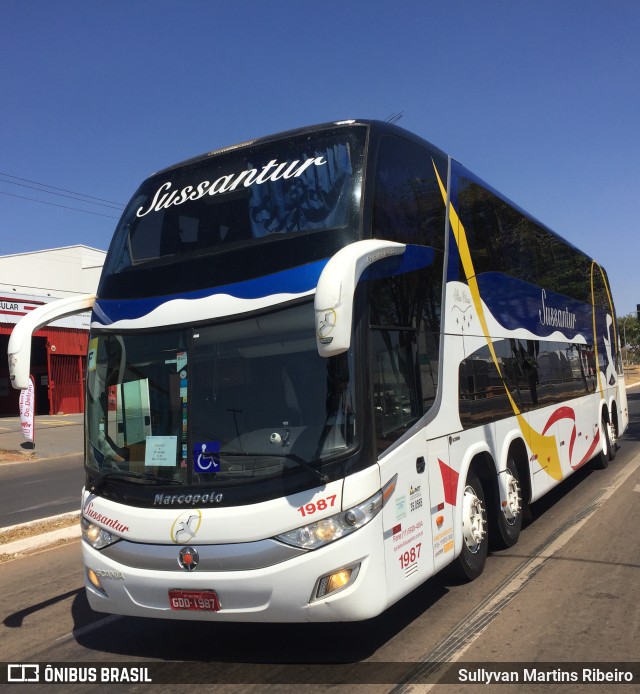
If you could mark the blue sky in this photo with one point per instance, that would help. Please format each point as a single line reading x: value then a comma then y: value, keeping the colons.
x: 541, y: 98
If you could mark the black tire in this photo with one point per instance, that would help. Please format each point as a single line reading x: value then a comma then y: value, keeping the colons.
x: 612, y: 439
x: 475, y: 540
x: 508, y: 519
x: 601, y: 461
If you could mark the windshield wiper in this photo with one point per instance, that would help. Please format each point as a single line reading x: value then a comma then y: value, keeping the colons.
x: 96, y: 485
x: 320, y: 476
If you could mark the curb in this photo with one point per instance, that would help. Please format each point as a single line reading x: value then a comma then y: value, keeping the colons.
x: 40, y: 540
x: 34, y: 458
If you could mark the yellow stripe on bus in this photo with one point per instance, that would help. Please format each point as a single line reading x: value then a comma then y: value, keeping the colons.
x: 544, y: 448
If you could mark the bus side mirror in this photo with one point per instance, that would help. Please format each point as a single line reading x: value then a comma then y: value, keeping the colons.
x: 333, y: 302
x: 19, y: 348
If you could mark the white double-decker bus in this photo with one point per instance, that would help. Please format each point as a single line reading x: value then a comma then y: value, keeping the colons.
x: 323, y: 366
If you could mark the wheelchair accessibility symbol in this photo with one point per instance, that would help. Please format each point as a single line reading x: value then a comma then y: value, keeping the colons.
x: 206, y: 457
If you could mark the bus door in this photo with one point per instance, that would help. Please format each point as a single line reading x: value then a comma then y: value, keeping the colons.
x: 408, y: 555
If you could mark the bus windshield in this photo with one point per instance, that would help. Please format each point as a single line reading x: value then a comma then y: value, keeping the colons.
x: 241, y: 402
x: 303, y: 184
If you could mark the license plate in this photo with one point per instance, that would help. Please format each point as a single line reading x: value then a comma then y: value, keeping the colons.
x: 199, y: 600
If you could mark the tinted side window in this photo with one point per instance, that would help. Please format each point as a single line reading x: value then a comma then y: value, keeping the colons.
x: 479, y: 212
x: 407, y: 205
x: 482, y: 395
x: 600, y: 286
x: 404, y: 328
x: 503, y: 239
x: 536, y: 374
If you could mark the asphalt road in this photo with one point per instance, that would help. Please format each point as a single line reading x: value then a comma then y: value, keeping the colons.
x: 40, y: 489
x: 566, y: 593
x: 48, y: 482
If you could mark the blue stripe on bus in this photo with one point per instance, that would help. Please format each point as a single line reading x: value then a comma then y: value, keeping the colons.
x: 296, y: 280
x: 518, y: 304
x: 413, y: 258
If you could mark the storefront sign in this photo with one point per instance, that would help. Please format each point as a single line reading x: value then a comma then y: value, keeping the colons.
x: 17, y: 307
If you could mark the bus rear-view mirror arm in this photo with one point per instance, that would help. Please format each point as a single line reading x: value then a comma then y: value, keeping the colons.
x: 19, y: 349
x: 333, y: 303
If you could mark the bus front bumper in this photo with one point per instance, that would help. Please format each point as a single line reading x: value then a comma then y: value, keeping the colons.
x: 284, y: 592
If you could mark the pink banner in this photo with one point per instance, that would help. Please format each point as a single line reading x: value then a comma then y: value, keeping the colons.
x: 27, y: 411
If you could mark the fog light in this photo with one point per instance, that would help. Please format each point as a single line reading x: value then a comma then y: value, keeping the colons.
x: 335, y: 581
x: 95, y: 581
x: 338, y: 580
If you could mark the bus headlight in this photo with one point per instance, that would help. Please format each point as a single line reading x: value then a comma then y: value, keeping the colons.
x: 96, y: 536
x: 322, y: 532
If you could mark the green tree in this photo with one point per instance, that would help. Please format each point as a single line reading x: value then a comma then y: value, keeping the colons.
x: 629, y: 332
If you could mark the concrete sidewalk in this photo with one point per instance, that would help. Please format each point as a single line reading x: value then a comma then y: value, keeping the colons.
x: 55, y: 436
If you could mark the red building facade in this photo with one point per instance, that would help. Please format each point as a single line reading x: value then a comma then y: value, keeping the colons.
x: 58, y: 361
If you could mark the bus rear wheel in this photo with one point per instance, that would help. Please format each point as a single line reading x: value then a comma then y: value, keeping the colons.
x: 601, y: 461
x: 612, y: 439
x: 509, y: 515
x: 470, y: 563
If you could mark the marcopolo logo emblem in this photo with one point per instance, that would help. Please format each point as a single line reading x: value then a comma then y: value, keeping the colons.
x: 326, y: 322
x: 185, y: 526
x: 188, y: 558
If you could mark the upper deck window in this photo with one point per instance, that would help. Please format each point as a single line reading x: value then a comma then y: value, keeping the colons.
x: 297, y: 185
x: 407, y: 204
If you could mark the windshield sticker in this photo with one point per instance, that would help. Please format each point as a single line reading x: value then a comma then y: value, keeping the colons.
x: 160, y: 451
x: 181, y: 368
x: 92, y: 355
x: 165, y: 197
x: 206, y: 457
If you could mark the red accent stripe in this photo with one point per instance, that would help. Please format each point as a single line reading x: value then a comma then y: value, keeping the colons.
x: 589, y: 453
x: 449, y: 482
x: 560, y: 413
x: 15, y: 300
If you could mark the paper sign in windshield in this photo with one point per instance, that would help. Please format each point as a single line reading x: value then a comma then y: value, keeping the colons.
x: 206, y: 456
x: 160, y: 451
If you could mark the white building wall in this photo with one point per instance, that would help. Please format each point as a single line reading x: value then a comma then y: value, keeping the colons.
x: 28, y: 279
x: 54, y: 273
